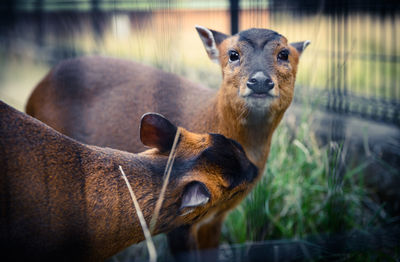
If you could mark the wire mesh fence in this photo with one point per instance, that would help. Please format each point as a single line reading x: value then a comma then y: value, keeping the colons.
x: 352, y: 66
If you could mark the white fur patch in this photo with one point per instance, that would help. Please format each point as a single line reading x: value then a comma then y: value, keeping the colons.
x: 259, y: 74
x: 306, y: 43
x: 247, y: 92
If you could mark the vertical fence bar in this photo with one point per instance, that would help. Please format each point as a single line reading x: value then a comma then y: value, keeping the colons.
x: 96, y: 20
x: 342, y: 59
x: 357, y: 56
x: 39, y: 34
x: 371, y: 63
x: 234, y: 10
x: 329, y: 70
x: 347, y: 58
x: 335, y: 59
x: 394, y: 64
x: 363, y: 56
x: 378, y: 59
x: 362, y: 73
x: 385, y: 76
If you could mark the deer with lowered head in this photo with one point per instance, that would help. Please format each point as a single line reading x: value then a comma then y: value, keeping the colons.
x: 64, y: 200
x: 97, y: 100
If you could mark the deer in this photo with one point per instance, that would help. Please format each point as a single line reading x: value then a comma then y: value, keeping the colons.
x: 64, y: 200
x: 97, y: 100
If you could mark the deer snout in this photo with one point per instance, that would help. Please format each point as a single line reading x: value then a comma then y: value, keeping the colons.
x: 260, y: 83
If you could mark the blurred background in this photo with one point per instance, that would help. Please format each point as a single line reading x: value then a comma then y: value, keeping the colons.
x: 331, y: 190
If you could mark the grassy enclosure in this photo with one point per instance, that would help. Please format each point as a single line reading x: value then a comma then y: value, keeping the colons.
x: 305, y: 189
x: 302, y: 192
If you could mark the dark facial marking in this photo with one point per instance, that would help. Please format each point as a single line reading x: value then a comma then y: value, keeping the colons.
x: 257, y: 58
x: 250, y: 42
x: 258, y: 37
x: 236, y: 144
x: 229, y: 156
x: 181, y: 166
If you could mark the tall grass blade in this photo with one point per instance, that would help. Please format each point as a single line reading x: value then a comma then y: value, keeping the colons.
x: 149, y: 241
x: 166, y: 176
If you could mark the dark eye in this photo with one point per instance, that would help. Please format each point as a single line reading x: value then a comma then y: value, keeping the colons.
x: 283, y: 55
x: 233, y: 56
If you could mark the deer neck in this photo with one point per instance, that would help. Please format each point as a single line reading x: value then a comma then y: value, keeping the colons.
x: 113, y: 219
x: 253, y: 130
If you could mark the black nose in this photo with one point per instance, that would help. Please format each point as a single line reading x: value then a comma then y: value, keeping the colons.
x: 260, y: 83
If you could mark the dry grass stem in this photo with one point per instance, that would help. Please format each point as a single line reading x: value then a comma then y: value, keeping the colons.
x: 166, y: 176
x: 150, y: 245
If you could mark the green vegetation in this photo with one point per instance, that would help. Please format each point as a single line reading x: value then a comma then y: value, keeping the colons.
x: 300, y: 192
x: 304, y: 192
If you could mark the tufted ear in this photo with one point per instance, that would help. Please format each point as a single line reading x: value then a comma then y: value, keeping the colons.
x: 300, y: 46
x: 157, y: 131
x: 211, y: 40
x: 195, y: 194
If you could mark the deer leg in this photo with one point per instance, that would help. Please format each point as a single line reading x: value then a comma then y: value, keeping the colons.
x: 208, y: 236
x: 182, y: 243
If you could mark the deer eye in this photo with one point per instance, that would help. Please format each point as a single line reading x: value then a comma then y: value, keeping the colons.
x: 233, y: 56
x: 283, y: 55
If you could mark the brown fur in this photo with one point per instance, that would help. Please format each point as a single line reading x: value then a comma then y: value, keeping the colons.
x: 99, y: 100
x: 63, y: 200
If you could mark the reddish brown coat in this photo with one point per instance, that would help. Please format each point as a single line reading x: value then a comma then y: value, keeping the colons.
x: 100, y: 100
x: 63, y: 200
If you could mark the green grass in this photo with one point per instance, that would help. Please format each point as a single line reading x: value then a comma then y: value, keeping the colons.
x: 303, y: 193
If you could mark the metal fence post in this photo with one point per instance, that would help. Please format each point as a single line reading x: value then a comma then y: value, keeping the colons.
x: 234, y: 10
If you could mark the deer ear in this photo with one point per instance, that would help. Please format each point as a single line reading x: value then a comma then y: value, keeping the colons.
x: 211, y: 40
x: 300, y: 46
x: 195, y: 194
x: 157, y: 131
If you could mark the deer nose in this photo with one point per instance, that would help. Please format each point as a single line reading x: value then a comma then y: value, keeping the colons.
x: 260, y: 83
